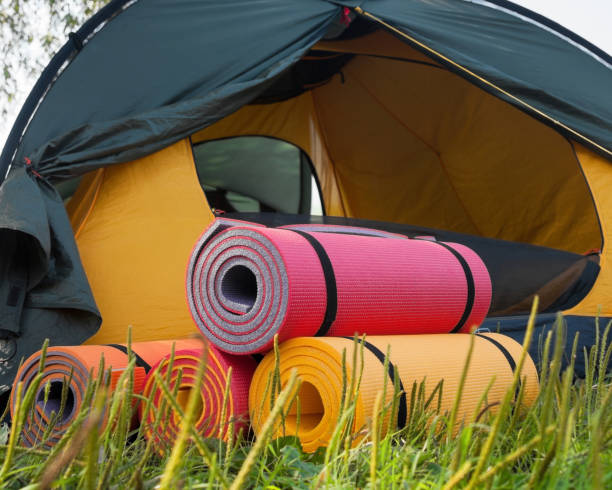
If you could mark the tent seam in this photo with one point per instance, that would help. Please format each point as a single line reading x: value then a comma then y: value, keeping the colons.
x: 427, y: 144
x: 331, y: 160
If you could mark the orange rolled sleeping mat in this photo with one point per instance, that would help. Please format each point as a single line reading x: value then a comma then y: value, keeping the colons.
x: 217, y: 416
x: 76, y: 365
x: 417, y: 358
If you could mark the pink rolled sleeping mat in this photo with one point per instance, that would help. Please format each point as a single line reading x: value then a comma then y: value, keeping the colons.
x: 246, y: 282
x: 216, y: 416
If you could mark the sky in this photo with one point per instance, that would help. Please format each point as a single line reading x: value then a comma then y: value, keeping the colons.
x: 587, y: 18
x: 590, y: 19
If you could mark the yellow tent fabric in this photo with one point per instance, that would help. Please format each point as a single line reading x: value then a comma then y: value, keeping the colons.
x: 401, y: 139
x: 418, y: 358
x: 135, y: 225
x: 598, y: 172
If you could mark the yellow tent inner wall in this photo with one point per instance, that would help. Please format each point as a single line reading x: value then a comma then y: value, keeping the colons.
x: 410, y: 142
x: 135, y: 225
x: 598, y: 172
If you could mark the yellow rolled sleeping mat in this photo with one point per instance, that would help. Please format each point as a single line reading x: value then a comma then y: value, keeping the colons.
x: 416, y: 358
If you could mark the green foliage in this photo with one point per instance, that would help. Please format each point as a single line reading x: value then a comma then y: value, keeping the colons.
x: 30, y: 32
x: 563, y: 441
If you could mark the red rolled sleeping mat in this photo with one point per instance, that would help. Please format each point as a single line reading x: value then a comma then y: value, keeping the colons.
x: 216, y: 416
x: 246, y: 282
x: 73, y: 366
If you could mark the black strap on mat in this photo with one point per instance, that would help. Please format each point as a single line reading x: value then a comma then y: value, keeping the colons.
x: 503, y: 350
x: 471, y: 288
x: 140, y: 362
x: 330, y: 283
x: 508, y: 357
x: 402, y: 409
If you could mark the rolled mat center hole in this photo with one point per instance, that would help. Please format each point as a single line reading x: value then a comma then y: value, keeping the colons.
x: 182, y: 397
x: 311, y: 409
x: 54, y: 401
x: 239, y: 285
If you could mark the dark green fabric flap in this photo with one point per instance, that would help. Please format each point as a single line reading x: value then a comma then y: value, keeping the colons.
x: 161, y: 70
x: 44, y: 292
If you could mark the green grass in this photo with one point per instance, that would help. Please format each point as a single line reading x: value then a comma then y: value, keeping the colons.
x: 563, y: 441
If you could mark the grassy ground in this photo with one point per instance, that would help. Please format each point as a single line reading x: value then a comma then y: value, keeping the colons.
x: 563, y: 441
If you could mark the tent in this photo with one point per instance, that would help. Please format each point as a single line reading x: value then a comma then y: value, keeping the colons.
x: 472, y: 120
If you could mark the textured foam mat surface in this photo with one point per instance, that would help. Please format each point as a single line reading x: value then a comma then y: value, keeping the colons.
x: 246, y: 282
x: 430, y: 359
x: 216, y: 416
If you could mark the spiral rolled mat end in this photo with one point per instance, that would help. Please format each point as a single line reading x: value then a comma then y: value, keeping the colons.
x: 66, y: 373
x: 426, y: 359
x: 60, y: 395
x: 218, y: 414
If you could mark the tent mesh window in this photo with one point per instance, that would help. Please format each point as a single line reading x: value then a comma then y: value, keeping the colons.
x: 257, y: 174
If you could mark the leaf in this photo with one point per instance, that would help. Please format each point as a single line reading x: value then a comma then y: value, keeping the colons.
x: 277, y: 445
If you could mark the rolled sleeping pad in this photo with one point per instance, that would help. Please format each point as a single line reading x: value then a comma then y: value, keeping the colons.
x: 246, y: 282
x: 417, y: 358
x: 213, y: 417
x: 81, y: 361
x: 342, y: 229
